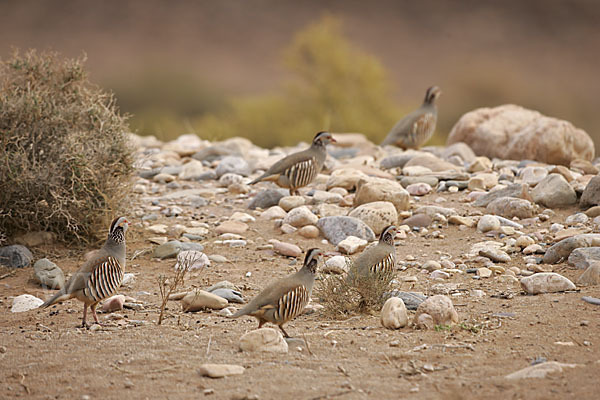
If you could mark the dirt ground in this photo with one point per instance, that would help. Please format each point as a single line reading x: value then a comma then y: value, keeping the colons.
x: 45, y: 355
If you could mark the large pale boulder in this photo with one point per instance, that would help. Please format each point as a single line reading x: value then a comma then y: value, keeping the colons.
x: 264, y: 340
x: 514, y: 132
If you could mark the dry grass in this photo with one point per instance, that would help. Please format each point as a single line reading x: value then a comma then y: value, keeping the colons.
x: 65, y: 160
x: 351, y: 294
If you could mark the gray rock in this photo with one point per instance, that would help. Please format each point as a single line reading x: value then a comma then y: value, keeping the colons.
x: 396, y: 160
x: 233, y: 296
x: 233, y: 164
x: 460, y: 149
x: 15, y: 256
x: 563, y: 249
x: 48, y: 274
x: 411, y: 299
x: 576, y: 219
x: 189, y: 246
x: 336, y: 229
x: 546, y: 282
x: 591, y: 193
x: 409, y: 180
x: 418, y: 220
x: 510, y: 207
x: 222, y: 285
x: 267, y: 198
x: 554, y: 191
x: 583, y: 258
x: 198, y: 201
x: 209, y: 175
x: 508, y: 222
x: 518, y: 190
x: 170, y: 170
x: 168, y: 250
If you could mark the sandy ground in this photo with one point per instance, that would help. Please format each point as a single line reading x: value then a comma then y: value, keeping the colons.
x: 45, y: 355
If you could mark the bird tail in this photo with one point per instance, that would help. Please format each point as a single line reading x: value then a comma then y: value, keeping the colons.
x: 260, y: 178
x: 58, y: 297
x: 240, y: 312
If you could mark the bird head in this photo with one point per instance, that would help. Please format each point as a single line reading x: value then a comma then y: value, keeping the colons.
x: 432, y: 94
x: 323, y: 138
x: 312, y: 259
x: 388, y: 234
x: 118, y: 227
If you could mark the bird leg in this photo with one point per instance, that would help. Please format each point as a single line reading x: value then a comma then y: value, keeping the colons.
x: 83, y: 322
x: 284, y: 332
x: 260, y: 323
x: 93, y: 308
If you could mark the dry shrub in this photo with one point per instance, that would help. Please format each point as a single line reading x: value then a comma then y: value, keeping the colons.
x: 65, y: 161
x: 346, y: 295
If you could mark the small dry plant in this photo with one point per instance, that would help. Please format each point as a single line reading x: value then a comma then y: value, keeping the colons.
x: 351, y: 294
x: 169, y: 285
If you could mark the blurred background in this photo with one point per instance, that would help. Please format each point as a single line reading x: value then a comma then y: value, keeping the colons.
x: 278, y: 71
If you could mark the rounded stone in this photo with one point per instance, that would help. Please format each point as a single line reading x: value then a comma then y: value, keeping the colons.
x: 377, y: 215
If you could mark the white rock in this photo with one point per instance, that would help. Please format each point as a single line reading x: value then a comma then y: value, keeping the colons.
x: 242, y: 217
x: 191, y: 170
x: 488, y: 223
x: 286, y: 249
x: 524, y: 241
x: 309, y: 232
x: 378, y: 189
x: 128, y: 279
x: 351, y: 245
x: 336, y: 265
x: 25, y: 302
x: 533, y: 175
x: 158, y: 229
x: 220, y: 370
x: 346, y: 178
x: 264, y: 340
x: 418, y: 189
x: 192, y: 259
x: 393, y: 314
x: 484, y: 272
x: 300, y: 216
x: 546, y: 282
x: 114, y: 303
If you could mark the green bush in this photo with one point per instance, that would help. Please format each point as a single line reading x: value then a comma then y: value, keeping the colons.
x: 333, y: 86
x: 65, y: 161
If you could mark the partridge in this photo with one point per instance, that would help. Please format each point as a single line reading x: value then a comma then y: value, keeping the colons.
x: 380, y: 258
x: 100, y: 276
x: 285, y: 299
x: 299, y: 169
x: 412, y: 131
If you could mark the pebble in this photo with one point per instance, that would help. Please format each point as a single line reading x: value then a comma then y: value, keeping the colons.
x: 267, y: 198
x: 198, y: 299
x: 288, y: 203
x: 576, y: 219
x: 393, y: 314
x: 439, y: 274
x: 167, y: 250
x: 274, y: 212
x: 286, y: 249
x: 459, y: 220
x: 418, y: 220
x: 220, y: 370
x: 431, y: 265
x: 524, y: 241
x: 300, y: 216
x: 236, y: 227
x: 419, y: 189
x: 484, y: 272
x: 377, y: 215
x: 495, y: 255
x: 488, y: 223
x: 591, y: 276
x: 540, y: 370
x: 532, y: 249
x: 309, y: 232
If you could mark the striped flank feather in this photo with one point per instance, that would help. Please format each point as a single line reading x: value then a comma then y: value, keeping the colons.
x: 104, y: 281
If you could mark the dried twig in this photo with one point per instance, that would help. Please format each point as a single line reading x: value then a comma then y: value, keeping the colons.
x: 307, y: 345
x: 208, y: 345
x: 11, y: 273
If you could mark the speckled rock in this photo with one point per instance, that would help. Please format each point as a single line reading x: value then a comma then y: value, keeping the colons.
x: 510, y: 207
x: 377, y: 215
x: 440, y: 310
x: 563, y: 249
x: 48, y: 274
x: 584, y: 257
x: 591, y: 276
x: 300, y: 216
x: 15, y: 256
x: 488, y: 223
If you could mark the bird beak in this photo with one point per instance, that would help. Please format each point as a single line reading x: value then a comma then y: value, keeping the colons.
x: 332, y: 140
